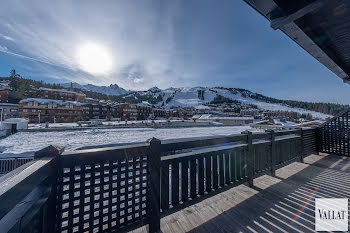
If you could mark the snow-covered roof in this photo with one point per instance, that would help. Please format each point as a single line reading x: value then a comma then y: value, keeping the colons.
x: 60, y: 90
x: 283, y: 123
x: 205, y: 116
x: 202, y: 107
x: 211, y: 117
x: 15, y: 120
x: 45, y: 101
x: 316, y: 122
x: 144, y: 104
x: 232, y: 118
x: 264, y: 122
x: 9, y: 105
x: 196, y: 116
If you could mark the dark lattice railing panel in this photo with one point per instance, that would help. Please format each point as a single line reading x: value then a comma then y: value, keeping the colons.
x: 288, y: 149
x: 189, y: 177
x: 102, y: 193
x: 262, y: 156
x: 334, y: 135
x: 309, y: 141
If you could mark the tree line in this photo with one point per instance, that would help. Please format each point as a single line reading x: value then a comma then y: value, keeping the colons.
x: 326, y: 108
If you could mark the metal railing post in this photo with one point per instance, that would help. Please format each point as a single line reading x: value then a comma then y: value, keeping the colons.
x: 319, y: 140
x: 154, y: 163
x: 273, y: 152
x: 301, y: 145
x: 250, y: 162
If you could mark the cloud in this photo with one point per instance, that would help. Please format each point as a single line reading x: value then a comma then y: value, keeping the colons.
x: 3, y: 48
x: 52, y: 32
x: 138, y: 80
x: 6, y: 37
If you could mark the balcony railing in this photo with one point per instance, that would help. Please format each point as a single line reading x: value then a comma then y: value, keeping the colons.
x: 10, y: 163
x: 334, y: 135
x: 122, y: 188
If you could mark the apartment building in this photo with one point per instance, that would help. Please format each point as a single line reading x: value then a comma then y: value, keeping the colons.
x: 128, y: 111
x: 159, y: 112
x: 143, y: 111
x: 100, y: 111
x: 60, y: 94
x: 38, y: 110
x: 8, y: 111
x: 281, y: 114
x: 250, y: 112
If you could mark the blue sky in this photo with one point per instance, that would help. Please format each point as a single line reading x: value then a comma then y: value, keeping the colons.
x: 161, y: 43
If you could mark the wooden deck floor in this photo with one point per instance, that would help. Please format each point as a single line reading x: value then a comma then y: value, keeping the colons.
x: 271, y: 205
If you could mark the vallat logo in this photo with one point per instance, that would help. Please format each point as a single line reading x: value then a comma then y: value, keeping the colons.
x: 331, y: 214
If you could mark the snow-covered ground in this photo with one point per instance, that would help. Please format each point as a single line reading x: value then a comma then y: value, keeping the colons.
x: 29, y: 142
x: 70, y: 125
x: 52, y: 125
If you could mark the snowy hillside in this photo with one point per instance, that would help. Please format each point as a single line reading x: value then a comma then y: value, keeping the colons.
x: 199, y: 96
x: 113, y: 89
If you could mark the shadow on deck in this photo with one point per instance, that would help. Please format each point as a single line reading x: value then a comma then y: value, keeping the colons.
x: 284, y: 203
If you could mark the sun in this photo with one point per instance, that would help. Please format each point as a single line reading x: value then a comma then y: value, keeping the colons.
x: 94, y: 58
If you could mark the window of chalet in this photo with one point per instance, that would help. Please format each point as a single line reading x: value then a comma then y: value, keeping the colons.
x: 69, y: 106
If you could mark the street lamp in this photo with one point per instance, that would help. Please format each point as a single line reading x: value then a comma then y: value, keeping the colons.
x: 39, y: 115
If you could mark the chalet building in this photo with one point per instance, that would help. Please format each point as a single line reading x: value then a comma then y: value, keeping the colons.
x: 99, y: 111
x: 60, y: 94
x: 250, y: 112
x: 139, y: 111
x: 91, y: 101
x: 281, y: 115
x: 115, y: 112
x: 8, y: 111
x: 128, y: 111
x: 49, y: 110
x: 4, y: 95
x: 143, y: 111
x: 184, y: 112
x: 159, y: 112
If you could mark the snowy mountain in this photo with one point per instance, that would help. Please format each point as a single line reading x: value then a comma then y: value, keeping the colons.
x: 200, y: 97
x: 113, y: 89
x: 197, y: 97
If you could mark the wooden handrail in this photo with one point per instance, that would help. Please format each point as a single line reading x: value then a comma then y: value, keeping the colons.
x: 23, y: 189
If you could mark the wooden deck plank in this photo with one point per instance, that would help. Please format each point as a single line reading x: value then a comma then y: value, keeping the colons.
x: 272, y: 204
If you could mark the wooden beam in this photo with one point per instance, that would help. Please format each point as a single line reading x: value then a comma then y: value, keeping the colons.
x: 16, y: 185
x: 346, y: 80
x: 279, y: 22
